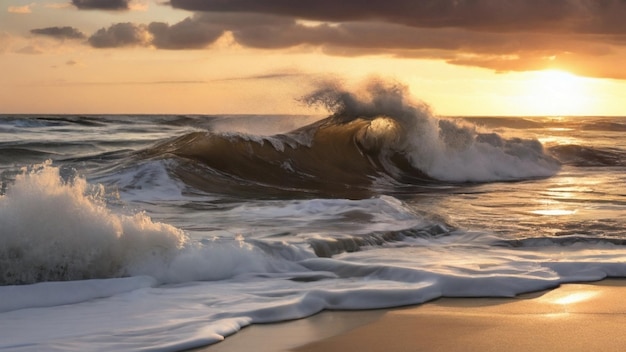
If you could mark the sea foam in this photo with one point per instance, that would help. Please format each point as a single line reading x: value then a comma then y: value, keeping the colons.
x: 56, y: 230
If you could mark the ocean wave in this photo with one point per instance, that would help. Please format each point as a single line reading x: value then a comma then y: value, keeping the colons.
x: 605, y: 125
x: 378, y: 134
x: 55, y: 230
x: 61, y: 228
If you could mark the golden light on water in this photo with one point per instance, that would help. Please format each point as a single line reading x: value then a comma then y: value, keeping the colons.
x: 554, y: 212
x: 562, y: 189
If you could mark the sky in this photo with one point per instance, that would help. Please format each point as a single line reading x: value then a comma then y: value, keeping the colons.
x: 462, y: 57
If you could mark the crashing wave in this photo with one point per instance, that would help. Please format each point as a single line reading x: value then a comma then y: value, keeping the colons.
x: 377, y: 134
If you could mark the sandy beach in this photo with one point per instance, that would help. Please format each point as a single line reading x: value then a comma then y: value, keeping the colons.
x: 573, y: 317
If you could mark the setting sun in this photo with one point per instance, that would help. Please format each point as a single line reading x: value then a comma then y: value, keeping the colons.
x: 554, y: 92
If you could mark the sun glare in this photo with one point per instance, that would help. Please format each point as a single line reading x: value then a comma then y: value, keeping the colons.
x: 556, y: 93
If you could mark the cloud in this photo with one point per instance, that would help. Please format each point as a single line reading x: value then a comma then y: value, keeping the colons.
x: 121, y: 35
x: 502, y: 15
x: 502, y: 35
x: 59, y: 32
x: 187, y: 34
x: 275, y: 32
x: 26, y: 9
x: 102, y: 4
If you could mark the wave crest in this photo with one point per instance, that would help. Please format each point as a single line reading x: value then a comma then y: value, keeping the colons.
x: 444, y: 149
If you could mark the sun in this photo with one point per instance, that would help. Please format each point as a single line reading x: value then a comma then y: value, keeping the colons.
x: 556, y: 93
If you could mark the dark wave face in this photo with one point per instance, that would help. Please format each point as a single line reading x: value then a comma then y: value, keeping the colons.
x: 374, y: 140
x: 325, y: 157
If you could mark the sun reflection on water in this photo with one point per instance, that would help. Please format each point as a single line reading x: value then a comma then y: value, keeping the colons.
x: 554, y: 212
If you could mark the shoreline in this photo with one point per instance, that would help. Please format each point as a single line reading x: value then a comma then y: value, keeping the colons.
x: 572, y: 317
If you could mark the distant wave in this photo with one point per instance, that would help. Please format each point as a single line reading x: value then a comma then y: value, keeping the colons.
x: 605, y: 125
x: 578, y: 155
x: 376, y: 137
x: 572, y: 123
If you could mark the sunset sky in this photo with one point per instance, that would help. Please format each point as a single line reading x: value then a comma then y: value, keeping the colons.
x: 462, y: 57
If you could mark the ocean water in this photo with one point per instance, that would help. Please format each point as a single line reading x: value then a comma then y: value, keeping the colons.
x: 163, y: 233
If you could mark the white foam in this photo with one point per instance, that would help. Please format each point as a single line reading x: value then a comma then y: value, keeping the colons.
x: 453, y: 152
x: 50, y: 294
x: 53, y: 230
x: 216, y: 260
x: 192, y: 314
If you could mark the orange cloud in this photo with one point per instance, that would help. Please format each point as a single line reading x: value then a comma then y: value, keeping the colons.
x: 22, y: 10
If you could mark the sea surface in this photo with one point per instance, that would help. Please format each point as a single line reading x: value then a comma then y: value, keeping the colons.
x: 165, y: 232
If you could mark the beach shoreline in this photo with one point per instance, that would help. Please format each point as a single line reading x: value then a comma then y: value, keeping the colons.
x: 572, y: 317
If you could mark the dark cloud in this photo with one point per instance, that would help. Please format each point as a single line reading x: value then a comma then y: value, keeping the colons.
x: 502, y: 35
x: 187, y: 34
x: 268, y: 32
x: 121, y: 35
x: 591, y: 16
x: 102, y: 4
x: 59, y: 32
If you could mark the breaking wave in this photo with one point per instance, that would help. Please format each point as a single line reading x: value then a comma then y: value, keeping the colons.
x: 57, y: 227
x: 55, y: 230
x: 375, y: 137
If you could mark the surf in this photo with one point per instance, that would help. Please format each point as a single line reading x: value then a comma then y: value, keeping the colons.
x: 377, y: 137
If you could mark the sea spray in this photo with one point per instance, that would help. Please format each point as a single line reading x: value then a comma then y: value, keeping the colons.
x: 56, y: 230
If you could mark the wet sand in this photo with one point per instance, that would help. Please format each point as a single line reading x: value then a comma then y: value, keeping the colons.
x: 573, y: 317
